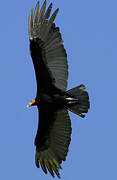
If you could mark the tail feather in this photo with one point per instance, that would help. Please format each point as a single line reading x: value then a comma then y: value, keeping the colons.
x: 82, y: 104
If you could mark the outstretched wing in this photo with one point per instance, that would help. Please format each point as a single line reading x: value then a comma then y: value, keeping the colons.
x: 47, y: 50
x: 52, y: 139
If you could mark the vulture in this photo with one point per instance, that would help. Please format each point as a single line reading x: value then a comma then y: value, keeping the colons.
x: 52, y: 99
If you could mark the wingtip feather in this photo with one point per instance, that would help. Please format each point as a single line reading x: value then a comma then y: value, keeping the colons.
x: 49, y: 167
x: 36, y: 14
x: 53, y: 17
x: 42, y: 11
x: 36, y: 160
x: 43, y: 166
x: 47, y: 14
x: 54, y: 168
x: 57, y: 164
x: 30, y: 22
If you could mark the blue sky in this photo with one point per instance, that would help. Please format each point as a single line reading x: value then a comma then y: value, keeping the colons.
x: 89, y: 31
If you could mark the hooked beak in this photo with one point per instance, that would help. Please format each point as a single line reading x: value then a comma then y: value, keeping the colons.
x: 31, y: 103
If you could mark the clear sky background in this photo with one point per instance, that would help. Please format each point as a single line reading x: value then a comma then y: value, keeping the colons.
x: 89, y: 31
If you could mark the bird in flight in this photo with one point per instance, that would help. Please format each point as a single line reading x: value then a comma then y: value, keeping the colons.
x: 52, y: 100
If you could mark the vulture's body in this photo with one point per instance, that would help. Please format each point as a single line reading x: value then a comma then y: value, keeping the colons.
x: 52, y: 100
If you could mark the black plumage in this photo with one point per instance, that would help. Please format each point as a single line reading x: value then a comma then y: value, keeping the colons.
x: 52, y: 100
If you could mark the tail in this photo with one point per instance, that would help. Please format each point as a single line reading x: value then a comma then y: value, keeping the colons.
x: 79, y: 100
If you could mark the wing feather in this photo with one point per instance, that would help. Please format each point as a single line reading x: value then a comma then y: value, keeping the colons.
x: 35, y: 19
x: 49, y: 49
x: 42, y: 12
x: 50, y: 22
x: 42, y: 162
x: 30, y: 23
x: 47, y: 14
x: 52, y: 139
